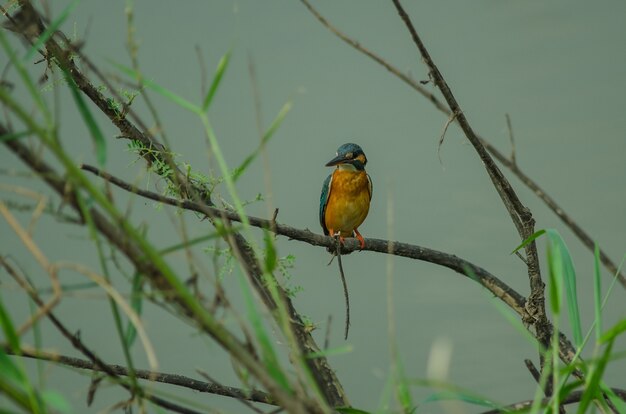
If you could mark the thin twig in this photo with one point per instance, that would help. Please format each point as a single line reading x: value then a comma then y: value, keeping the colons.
x: 511, y: 138
x: 450, y: 120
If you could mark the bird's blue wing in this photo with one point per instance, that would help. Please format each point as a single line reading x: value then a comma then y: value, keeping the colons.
x: 324, y: 201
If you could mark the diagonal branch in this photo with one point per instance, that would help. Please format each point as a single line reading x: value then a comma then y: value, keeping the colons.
x: 520, y: 215
x: 509, y: 163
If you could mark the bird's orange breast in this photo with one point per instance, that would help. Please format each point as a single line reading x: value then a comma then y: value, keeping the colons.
x: 348, y: 201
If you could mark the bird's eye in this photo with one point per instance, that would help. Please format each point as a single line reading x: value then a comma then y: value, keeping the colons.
x: 349, y: 155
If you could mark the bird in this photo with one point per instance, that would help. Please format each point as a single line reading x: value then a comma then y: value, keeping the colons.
x: 346, y: 194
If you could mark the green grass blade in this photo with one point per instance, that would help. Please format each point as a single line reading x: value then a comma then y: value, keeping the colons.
x: 461, y: 396
x: 90, y: 121
x: 136, y: 303
x: 612, y: 333
x: 8, y: 370
x: 9, y: 330
x: 555, y: 273
x: 449, y: 391
x: 270, y: 360
x: 401, y: 384
x: 529, y: 240
x: 566, y: 278
x: 219, y: 73
x: 592, y: 388
x: 51, y: 29
x: 350, y: 410
x: 217, y: 235
x: 597, y: 293
x: 22, y: 390
x: 270, y: 251
x: 264, y: 140
x: 179, y: 100
x: 617, y: 401
x: 26, y: 78
x: 56, y: 401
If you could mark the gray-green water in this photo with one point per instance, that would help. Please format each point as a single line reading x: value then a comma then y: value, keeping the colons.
x: 557, y: 68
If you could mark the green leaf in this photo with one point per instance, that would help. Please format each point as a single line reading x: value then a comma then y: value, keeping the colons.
x: 270, y: 360
x: 51, y: 29
x: 197, y: 240
x: 350, y: 410
x: 270, y: 251
x: 617, y: 401
x: 592, y: 388
x: 89, y: 119
x: 597, y: 293
x: 9, y: 330
x: 529, y: 240
x: 136, y: 303
x: 563, y: 276
x: 219, y: 73
x: 461, y: 396
x: 56, y: 401
x: 8, y: 370
x: 403, y: 393
x: 612, y: 333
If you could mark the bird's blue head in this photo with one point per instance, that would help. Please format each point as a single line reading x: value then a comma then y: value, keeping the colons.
x: 349, y: 156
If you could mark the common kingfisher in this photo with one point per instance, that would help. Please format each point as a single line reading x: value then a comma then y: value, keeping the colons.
x: 346, y: 194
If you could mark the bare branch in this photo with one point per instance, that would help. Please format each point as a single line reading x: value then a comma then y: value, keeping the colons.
x: 210, y: 387
x: 520, y: 214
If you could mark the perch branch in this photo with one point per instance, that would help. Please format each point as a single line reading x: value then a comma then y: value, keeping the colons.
x: 498, y: 288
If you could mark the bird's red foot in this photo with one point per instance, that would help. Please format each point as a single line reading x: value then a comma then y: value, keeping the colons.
x: 360, y: 238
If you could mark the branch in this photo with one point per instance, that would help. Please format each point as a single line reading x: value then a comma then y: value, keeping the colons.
x: 520, y: 215
x: 76, y: 342
x: 172, y: 379
x: 324, y: 376
x: 464, y: 267
x: 136, y: 256
x: 508, y: 163
x: 571, y: 398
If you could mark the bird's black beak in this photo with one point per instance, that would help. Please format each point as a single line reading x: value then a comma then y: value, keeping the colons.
x: 339, y: 159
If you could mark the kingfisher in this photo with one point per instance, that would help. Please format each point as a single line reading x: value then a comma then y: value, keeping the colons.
x: 346, y: 194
